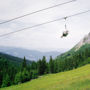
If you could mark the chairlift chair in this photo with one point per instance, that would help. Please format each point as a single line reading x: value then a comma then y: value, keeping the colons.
x: 66, y: 32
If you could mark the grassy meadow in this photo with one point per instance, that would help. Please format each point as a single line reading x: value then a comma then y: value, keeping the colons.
x: 77, y: 79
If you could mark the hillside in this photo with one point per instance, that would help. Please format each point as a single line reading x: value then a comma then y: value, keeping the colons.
x: 81, y: 46
x: 73, y: 51
x: 14, y: 60
x: 77, y: 79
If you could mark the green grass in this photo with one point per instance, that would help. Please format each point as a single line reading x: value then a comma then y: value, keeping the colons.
x: 77, y: 79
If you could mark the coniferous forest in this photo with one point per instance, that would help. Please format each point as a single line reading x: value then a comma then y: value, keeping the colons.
x: 12, y: 74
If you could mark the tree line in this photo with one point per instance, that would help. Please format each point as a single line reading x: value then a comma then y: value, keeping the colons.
x: 10, y: 75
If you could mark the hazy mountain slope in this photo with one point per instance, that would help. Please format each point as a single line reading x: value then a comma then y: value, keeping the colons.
x: 85, y: 40
x: 77, y: 79
x: 12, y: 59
x: 82, y: 45
x: 29, y: 54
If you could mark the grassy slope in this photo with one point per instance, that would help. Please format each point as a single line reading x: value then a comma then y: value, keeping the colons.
x: 77, y: 79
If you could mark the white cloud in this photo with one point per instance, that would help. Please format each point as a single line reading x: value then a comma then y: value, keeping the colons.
x: 46, y: 36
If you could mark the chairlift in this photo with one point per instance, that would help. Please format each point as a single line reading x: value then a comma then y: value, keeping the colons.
x: 66, y: 32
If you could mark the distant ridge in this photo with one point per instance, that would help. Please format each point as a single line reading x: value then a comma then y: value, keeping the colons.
x: 29, y: 54
x: 14, y: 60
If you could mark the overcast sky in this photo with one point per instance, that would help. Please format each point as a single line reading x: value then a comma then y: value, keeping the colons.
x: 46, y: 37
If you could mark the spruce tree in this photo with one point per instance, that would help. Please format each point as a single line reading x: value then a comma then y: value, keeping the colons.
x: 44, y: 65
x: 24, y: 65
x: 51, y: 65
x: 6, y: 81
x: 39, y: 66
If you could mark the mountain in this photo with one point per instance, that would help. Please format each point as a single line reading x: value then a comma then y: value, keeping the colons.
x: 85, y: 40
x: 29, y: 54
x: 82, y: 45
x: 14, y: 60
x: 75, y: 58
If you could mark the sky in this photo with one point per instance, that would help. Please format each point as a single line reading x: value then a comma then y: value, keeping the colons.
x: 46, y: 37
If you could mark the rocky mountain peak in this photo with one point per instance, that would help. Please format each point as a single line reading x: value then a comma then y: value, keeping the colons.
x: 85, y: 40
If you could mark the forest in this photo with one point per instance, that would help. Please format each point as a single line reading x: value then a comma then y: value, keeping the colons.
x: 12, y: 74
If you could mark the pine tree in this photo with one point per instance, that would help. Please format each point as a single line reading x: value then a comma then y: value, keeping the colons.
x: 34, y: 65
x: 39, y: 66
x: 44, y: 65
x: 55, y: 66
x: 24, y: 65
x: 51, y: 65
x: 6, y: 81
x: 25, y: 75
x: 18, y: 78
